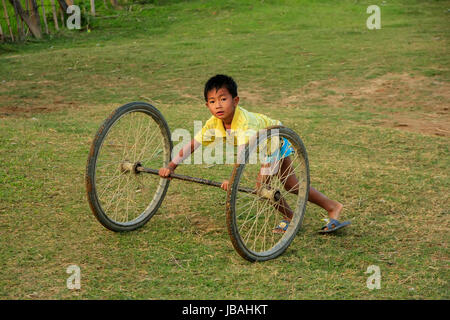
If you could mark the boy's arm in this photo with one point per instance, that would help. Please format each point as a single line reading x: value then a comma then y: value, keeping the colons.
x: 185, y: 152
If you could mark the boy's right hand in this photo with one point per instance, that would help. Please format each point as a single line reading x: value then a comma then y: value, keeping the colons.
x: 165, y: 172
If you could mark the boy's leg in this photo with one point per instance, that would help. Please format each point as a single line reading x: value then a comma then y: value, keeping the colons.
x: 282, y: 206
x: 333, y: 207
x: 287, y: 176
x: 290, y: 182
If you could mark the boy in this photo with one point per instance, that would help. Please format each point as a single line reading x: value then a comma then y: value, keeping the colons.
x: 222, y: 101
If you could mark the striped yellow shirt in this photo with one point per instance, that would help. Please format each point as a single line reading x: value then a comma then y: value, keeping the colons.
x: 243, y: 126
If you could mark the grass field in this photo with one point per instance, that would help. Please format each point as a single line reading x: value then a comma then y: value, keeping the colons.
x: 372, y: 107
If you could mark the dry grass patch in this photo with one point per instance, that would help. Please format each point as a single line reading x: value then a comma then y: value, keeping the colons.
x: 413, y: 103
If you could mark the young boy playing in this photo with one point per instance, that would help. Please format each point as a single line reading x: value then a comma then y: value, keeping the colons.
x: 222, y: 101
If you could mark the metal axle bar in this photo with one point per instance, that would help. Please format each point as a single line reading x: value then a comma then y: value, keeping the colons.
x: 191, y: 179
x: 136, y: 168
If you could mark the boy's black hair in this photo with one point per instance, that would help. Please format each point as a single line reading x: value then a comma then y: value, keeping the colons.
x: 221, y: 81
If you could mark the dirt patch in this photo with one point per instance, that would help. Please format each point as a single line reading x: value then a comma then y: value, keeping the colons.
x: 36, y: 97
x: 429, y: 124
x: 253, y: 97
x: 323, y: 92
x: 28, y: 108
x: 401, y: 92
x: 413, y: 103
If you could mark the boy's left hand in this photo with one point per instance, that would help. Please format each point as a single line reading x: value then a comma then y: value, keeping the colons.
x: 225, y: 185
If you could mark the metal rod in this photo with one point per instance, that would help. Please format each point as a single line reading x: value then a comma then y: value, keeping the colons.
x: 191, y: 179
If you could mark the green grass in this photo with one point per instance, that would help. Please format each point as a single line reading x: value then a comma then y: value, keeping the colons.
x: 311, y: 64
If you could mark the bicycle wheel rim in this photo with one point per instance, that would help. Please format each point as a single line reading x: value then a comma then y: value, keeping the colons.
x: 124, y: 201
x: 252, y: 220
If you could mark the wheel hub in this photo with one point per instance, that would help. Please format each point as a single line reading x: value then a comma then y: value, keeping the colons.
x: 126, y: 166
x: 272, y: 195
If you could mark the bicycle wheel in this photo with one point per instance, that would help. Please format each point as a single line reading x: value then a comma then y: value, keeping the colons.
x: 275, y: 165
x: 121, y: 198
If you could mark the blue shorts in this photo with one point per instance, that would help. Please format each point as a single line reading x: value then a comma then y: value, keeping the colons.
x: 284, y: 151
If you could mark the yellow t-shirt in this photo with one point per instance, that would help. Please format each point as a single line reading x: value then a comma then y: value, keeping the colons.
x: 244, y: 125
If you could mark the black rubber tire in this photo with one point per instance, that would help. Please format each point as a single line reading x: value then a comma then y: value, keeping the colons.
x: 232, y: 226
x: 101, y: 134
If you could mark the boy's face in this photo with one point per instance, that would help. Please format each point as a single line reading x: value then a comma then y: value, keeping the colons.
x: 221, y: 104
